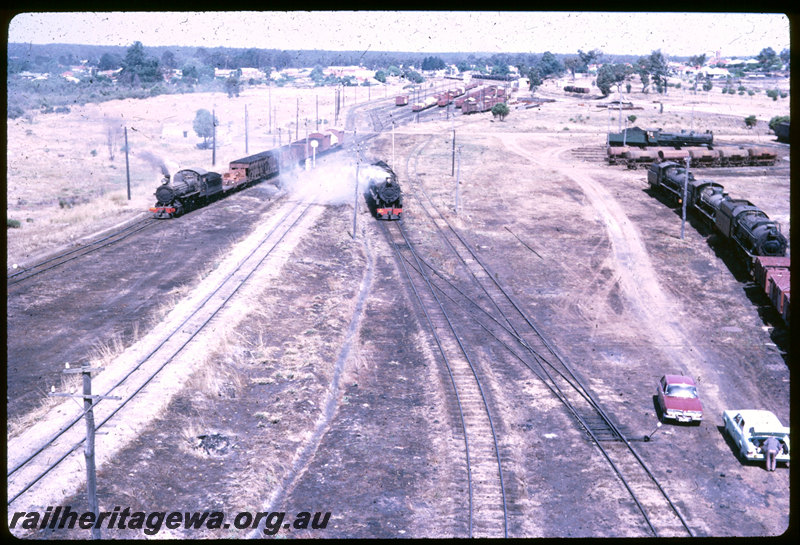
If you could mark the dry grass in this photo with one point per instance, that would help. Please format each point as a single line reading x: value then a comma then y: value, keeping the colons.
x: 71, y: 383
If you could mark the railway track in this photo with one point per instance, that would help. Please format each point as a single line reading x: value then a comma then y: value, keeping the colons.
x: 481, y: 298
x: 487, y: 509
x: 81, y: 251
x: 42, y: 458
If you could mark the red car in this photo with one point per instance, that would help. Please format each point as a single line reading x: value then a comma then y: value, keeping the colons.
x: 678, y: 399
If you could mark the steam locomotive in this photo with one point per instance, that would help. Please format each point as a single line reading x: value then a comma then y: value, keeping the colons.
x: 194, y: 187
x: 637, y: 137
x: 740, y: 221
x: 383, y: 194
x: 757, y: 239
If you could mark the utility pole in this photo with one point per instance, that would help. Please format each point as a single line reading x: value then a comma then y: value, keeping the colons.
x: 88, y: 449
x: 392, y: 141
x: 245, y: 131
x: 317, y: 113
x: 458, y: 180
x: 269, y: 90
x: 297, y: 121
x: 127, y: 166
x: 355, y: 191
x: 214, y: 138
x: 685, y: 189
x: 453, y: 165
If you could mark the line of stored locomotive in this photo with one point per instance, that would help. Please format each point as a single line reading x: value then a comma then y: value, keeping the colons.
x: 194, y: 187
x: 470, y: 98
x: 635, y: 147
x: 757, y: 239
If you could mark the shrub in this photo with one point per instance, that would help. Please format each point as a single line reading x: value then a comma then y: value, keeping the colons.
x: 776, y: 120
x: 15, y: 111
x: 12, y: 224
x: 750, y: 121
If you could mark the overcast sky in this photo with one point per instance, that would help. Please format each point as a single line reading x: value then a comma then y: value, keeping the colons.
x: 676, y: 34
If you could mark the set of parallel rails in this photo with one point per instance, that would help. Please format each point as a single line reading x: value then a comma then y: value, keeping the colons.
x: 487, y: 512
x: 503, y: 318
x: 81, y: 251
x: 42, y: 459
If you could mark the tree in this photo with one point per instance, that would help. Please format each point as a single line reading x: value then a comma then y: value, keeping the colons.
x: 785, y: 56
x: 500, y: 70
x: 232, y: 85
x: 283, y: 60
x: 768, y: 59
x: 572, y: 64
x: 549, y: 65
x: 413, y: 76
x: 697, y: 60
x: 588, y: 58
x: 500, y: 110
x: 535, y: 79
x: 204, y: 125
x: 612, y: 74
x: 750, y: 121
x: 168, y: 60
x: 380, y: 75
x: 657, y: 68
x: 109, y: 61
x: 644, y: 73
x: 138, y: 67
x: 433, y: 63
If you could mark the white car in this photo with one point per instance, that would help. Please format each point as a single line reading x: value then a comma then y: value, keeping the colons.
x: 749, y: 429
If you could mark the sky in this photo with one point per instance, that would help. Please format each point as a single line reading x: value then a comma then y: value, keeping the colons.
x: 675, y: 34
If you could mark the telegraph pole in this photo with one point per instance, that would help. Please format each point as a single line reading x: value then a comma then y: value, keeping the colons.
x: 297, y: 121
x: 127, y: 166
x: 269, y: 90
x: 245, y: 130
x: 685, y: 189
x: 88, y: 449
x: 317, y: 113
x: 214, y: 137
x: 458, y: 180
x: 453, y: 165
x: 355, y: 191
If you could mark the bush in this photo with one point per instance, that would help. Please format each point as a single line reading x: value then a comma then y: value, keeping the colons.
x: 775, y: 121
x: 12, y: 224
x: 15, y: 112
x: 750, y: 121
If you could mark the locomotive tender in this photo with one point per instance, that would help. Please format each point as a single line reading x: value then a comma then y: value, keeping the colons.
x: 194, y: 187
x: 383, y: 194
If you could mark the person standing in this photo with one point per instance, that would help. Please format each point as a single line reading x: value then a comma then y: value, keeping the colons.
x: 770, y: 448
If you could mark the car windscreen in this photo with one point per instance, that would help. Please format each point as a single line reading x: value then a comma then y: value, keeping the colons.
x: 681, y: 390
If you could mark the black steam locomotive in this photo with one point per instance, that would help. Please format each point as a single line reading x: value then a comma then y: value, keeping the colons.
x: 383, y: 194
x: 184, y: 191
x: 641, y: 138
x: 737, y: 220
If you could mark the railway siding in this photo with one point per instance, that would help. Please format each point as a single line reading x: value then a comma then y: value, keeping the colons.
x: 177, y: 342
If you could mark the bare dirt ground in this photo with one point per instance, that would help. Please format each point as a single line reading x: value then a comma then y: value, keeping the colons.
x: 328, y: 396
